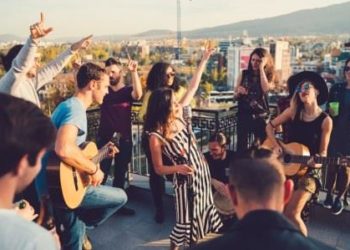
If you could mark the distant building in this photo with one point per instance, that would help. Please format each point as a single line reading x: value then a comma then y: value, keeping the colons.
x: 302, y: 66
x: 280, y: 52
x: 233, y: 65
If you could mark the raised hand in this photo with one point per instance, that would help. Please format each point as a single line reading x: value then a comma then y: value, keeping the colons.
x: 38, y: 30
x: 263, y: 62
x: 208, y: 51
x: 132, y: 65
x: 82, y: 44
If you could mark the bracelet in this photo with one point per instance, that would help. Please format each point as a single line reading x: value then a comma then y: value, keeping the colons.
x: 97, y: 168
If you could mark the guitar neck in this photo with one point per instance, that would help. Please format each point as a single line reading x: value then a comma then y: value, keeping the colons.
x: 102, y: 154
x: 288, y: 158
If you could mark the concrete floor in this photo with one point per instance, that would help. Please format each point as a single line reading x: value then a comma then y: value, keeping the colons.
x: 141, y: 232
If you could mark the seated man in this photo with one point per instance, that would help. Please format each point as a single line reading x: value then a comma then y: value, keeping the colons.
x: 25, y: 134
x: 259, y: 191
x: 219, y: 159
x: 100, y: 201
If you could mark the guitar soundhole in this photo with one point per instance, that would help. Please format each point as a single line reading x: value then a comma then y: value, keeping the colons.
x: 287, y: 158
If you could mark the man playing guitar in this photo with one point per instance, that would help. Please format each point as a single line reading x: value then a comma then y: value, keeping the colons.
x: 309, y: 126
x: 99, y: 202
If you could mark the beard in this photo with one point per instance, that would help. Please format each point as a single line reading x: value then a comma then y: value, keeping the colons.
x: 114, y: 81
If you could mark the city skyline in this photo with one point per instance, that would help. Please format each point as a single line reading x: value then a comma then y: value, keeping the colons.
x: 77, y: 18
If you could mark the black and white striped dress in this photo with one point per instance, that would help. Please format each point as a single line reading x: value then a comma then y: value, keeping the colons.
x: 205, y: 217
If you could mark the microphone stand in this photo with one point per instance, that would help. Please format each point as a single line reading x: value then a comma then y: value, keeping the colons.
x: 189, y: 178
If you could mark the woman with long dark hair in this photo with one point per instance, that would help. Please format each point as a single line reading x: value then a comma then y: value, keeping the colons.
x: 168, y: 135
x: 251, y: 90
x: 310, y: 126
x: 162, y: 74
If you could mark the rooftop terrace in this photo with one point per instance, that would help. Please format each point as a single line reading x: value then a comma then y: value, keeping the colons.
x: 141, y: 231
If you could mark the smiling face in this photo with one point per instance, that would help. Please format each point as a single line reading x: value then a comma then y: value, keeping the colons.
x: 216, y: 150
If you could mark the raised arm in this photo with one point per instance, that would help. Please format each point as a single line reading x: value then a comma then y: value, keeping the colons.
x: 136, y: 83
x: 25, y: 58
x: 48, y: 72
x: 193, y: 86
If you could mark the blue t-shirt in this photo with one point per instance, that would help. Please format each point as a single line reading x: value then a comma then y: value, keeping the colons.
x: 71, y: 112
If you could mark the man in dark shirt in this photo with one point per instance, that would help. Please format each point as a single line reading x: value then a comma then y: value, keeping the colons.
x: 339, y: 109
x: 218, y: 159
x: 116, y: 118
x: 259, y: 191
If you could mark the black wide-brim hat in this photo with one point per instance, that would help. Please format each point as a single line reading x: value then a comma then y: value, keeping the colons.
x: 309, y: 76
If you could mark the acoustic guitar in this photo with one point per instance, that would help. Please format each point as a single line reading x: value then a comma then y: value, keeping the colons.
x: 295, y: 157
x: 67, y: 185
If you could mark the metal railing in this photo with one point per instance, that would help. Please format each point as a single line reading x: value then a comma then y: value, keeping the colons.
x: 205, y: 122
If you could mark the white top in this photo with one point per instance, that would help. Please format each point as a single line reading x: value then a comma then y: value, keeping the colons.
x: 16, y: 233
x: 15, y: 82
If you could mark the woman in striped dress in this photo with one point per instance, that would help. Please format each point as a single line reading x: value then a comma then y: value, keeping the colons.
x: 168, y: 135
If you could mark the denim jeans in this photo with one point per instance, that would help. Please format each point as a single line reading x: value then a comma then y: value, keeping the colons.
x: 97, y: 206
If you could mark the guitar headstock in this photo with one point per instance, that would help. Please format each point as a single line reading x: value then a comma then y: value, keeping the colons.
x: 116, y: 139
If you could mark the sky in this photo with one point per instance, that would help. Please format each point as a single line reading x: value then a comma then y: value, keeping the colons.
x: 106, y: 17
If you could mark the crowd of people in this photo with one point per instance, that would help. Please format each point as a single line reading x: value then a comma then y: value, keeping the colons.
x: 244, y: 194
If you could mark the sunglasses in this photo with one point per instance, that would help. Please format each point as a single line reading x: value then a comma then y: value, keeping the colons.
x: 304, y: 87
x: 346, y: 68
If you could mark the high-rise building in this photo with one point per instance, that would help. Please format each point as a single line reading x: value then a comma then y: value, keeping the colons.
x: 233, y: 65
x: 280, y: 52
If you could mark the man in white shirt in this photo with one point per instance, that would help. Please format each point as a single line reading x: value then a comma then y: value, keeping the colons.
x: 25, y: 134
x: 24, y: 76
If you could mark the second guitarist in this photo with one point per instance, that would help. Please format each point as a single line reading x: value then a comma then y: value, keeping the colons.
x: 100, y: 201
x: 309, y: 126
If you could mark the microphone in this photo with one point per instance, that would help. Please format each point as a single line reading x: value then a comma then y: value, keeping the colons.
x: 187, y: 114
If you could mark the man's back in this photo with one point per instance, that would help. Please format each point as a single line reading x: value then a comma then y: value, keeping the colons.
x: 264, y: 230
x: 18, y: 233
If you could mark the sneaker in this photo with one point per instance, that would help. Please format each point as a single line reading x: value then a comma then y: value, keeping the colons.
x: 328, y: 202
x: 87, y: 243
x: 126, y: 211
x: 337, y: 207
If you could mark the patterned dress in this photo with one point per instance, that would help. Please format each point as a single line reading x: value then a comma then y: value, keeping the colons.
x: 205, y: 217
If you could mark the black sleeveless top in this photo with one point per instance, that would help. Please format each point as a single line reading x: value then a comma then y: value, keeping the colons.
x: 252, y: 83
x: 307, y: 133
